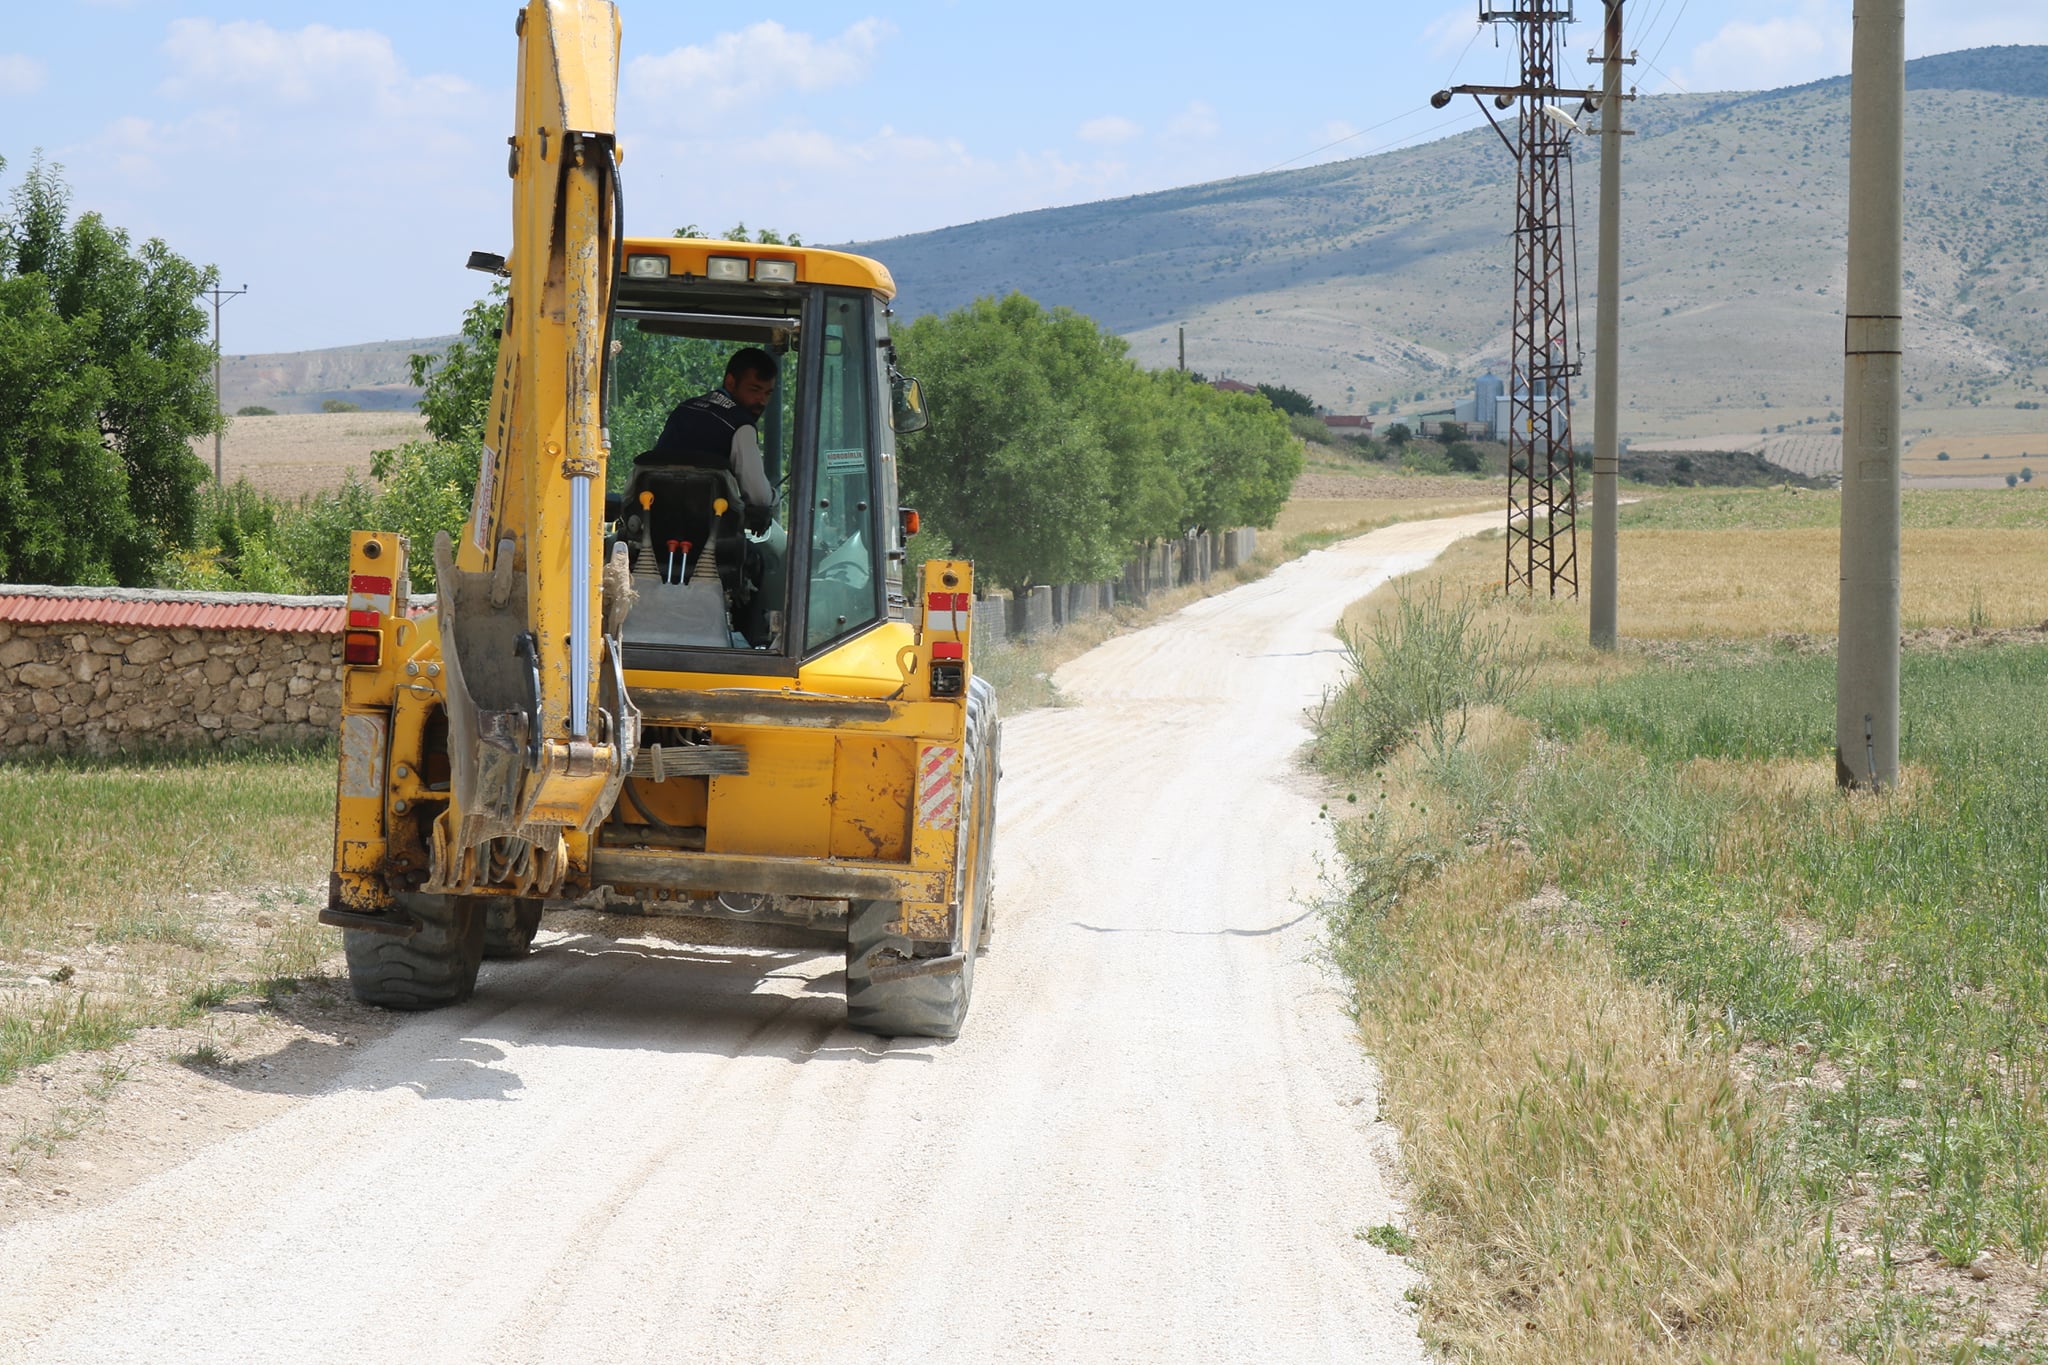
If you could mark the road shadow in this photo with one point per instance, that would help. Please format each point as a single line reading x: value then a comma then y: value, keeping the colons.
x: 776, y: 994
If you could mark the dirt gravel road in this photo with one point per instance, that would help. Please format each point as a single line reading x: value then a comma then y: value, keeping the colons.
x: 1154, y: 1142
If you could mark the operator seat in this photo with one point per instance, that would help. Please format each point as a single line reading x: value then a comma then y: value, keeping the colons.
x: 685, y: 510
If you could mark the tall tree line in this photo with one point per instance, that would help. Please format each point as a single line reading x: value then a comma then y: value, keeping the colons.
x: 1052, y: 456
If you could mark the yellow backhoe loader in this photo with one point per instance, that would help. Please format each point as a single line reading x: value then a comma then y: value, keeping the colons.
x: 666, y: 700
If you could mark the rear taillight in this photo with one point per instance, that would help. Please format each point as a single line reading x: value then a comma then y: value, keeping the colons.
x: 362, y: 648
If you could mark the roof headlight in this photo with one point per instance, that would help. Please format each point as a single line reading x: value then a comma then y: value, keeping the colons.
x: 647, y: 267
x: 727, y: 269
x: 775, y: 272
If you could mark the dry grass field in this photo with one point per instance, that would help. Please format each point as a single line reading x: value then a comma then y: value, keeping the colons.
x: 1971, y: 454
x: 296, y: 453
x: 1317, y: 516
x: 1691, y: 585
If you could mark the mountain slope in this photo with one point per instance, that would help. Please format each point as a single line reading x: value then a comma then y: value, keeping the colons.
x: 373, y: 376
x: 1373, y: 279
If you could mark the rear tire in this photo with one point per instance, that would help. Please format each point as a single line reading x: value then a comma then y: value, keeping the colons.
x: 933, y: 1006
x: 509, y: 926
x: 985, y: 745
x: 919, y: 1007
x: 435, y: 967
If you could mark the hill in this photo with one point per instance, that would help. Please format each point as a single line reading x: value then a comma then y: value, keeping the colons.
x: 373, y: 376
x: 1387, y: 277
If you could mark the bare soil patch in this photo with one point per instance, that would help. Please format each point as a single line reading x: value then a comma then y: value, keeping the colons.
x: 81, y: 1129
x: 297, y: 453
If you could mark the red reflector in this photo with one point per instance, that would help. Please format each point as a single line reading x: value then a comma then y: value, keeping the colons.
x: 910, y: 521
x: 362, y: 647
x: 369, y: 583
x: 947, y: 649
x: 368, y: 619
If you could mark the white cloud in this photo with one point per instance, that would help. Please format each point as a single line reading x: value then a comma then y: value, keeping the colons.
x: 758, y: 62
x: 20, y: 75
x: 307, y: 66
x: 1109, y: 129
x: 1765, y: 54
x: 1196, y: 121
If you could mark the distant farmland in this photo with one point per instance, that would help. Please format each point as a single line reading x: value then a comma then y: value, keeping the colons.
x: 295, y: 453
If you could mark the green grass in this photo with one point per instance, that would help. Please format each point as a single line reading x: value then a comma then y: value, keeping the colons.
x: 1902, y: 941
x: 110, y: 842
x: 105, y: 867
x: 1772, y: 509
x: 30, y: 1037
x: 1876, y: 964
x: 1387, y: 1238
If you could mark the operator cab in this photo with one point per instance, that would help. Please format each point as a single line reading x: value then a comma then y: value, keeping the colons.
x: 723, y: 587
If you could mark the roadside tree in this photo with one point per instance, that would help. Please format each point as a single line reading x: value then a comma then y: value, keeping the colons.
x: 107, y: 377
x: 1016, y: 465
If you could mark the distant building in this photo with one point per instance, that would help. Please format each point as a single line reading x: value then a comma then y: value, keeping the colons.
x: 1483, y: 407
x: 1361, y: 426
x: 1232, y: 386
x: 1492, y: 411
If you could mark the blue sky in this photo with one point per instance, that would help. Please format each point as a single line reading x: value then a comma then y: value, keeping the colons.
x: 343, y: 159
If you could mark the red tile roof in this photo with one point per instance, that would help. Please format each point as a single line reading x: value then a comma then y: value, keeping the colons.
x: 167, y: 610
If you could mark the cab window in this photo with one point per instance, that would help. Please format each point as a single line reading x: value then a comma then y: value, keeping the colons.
x: 845, y: 595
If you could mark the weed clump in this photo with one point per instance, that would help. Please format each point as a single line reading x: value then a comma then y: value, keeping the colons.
x: 1417, y: 673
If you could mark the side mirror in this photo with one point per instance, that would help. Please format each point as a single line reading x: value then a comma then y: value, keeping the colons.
x: 906, y: 404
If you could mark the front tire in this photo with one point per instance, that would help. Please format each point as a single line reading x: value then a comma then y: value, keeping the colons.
x: 510, y: 923
x: 435, y: 967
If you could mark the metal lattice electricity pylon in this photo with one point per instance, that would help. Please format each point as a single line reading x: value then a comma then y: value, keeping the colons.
x: 1543, y: 542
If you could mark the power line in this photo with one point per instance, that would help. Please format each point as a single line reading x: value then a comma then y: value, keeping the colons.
x: 1668, y: 76
x: 1669, y: 33
x: 1418, y: 109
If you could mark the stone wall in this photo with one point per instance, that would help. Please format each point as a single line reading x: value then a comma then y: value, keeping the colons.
x: 96, y: 688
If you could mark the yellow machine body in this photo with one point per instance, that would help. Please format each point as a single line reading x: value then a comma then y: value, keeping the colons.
x: 552, y: 731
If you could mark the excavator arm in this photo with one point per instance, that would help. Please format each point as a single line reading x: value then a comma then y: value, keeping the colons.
x: 541, y: 731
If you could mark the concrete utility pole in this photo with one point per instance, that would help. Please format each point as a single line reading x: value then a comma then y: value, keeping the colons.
x: 220, y: 297
x: 1183, y: 350
x: 1607, y: 345
x: 1867, y: 657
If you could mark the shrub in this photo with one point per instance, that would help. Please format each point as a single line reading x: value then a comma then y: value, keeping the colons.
x: 255, y: 410
x: 1309, y: 428
x: 339, y: 405
x: 1420, y: 672
x: 1420, y: 457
